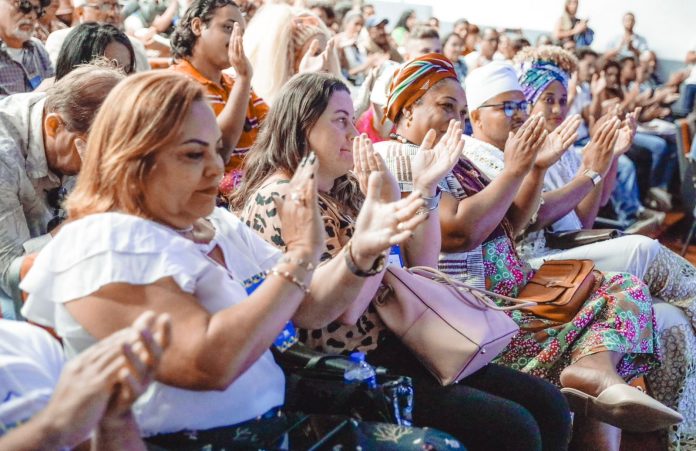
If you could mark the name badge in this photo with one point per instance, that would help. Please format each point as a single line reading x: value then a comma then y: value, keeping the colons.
x: 35, y: 82
x: 288, y: 336
x: 395, y: 256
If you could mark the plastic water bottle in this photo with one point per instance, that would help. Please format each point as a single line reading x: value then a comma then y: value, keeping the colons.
x: 360, y: 372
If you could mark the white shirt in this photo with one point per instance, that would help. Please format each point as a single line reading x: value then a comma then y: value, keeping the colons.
x: 112, y: 247
x: 638, y: 41
x: 30, y: 365
x: 583, y: 99
x: 24, y: 178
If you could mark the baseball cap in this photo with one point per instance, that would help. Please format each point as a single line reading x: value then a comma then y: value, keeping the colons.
x: 376, y: 20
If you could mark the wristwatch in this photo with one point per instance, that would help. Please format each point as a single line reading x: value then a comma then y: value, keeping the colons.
x: 377, y: 267
x: 595, y: 176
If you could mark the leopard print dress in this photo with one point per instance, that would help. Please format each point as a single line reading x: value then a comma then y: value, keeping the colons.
x: 260, y: 214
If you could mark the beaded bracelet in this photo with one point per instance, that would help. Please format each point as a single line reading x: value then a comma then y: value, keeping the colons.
x: 307, y: 265
x: 287, y: 275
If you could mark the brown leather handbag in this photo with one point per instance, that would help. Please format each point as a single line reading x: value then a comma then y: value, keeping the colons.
x: 560, y: 287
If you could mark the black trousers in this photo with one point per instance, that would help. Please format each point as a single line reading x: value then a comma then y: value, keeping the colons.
x: 496, y: 408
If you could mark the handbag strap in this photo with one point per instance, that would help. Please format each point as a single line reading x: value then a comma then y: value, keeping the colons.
x: 480, y: 294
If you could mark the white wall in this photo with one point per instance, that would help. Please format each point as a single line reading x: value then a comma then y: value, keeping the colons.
x: 668, y: 25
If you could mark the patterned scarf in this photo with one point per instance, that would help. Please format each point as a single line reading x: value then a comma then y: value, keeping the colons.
x: 414, y: 79
x: 473, y: 182
x: 537, y: 76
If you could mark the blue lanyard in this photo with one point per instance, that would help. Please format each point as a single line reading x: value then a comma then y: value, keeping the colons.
x: 288, y: 336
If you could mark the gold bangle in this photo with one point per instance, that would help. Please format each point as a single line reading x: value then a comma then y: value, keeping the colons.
x: 306, y: 265
x: 287, y: 275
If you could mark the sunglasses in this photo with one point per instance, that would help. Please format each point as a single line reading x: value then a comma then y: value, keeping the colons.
x: 26, y: 7
x: 509, y: 107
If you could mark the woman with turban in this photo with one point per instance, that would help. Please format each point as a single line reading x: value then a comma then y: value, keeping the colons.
x: 611, y: 337
x: 495, y: 408
x: 573, y: 200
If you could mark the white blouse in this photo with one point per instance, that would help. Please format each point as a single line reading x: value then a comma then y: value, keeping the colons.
x: 112, y: 247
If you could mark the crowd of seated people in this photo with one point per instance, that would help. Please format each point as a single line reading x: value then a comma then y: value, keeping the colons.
x: 191, y: 181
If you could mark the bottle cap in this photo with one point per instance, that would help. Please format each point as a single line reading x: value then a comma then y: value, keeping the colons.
x: 357, y: 357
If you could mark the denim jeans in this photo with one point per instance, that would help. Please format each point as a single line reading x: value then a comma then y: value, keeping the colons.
x: 625, y: 196
x: 685, y: 105
x: 664, y: 163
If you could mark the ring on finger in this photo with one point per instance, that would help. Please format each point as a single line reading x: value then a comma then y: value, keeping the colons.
x: 297, y: 198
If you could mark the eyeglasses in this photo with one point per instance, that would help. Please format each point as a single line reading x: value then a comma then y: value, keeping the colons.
x: 26, y: 7
x: 509, y: 107
x: 106, y: 7
x: 54, y: 199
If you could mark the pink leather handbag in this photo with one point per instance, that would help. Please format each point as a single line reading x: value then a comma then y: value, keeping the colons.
x: 453, y: 329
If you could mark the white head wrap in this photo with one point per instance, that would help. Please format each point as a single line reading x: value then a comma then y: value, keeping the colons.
x: 488, y: 81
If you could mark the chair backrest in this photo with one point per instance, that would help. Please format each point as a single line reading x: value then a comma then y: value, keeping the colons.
x: 687, y: 170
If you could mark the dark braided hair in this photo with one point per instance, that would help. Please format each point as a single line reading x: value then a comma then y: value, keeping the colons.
x: 183, y: 39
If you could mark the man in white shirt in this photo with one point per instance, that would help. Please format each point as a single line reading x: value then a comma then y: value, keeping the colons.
x: 41, y: 136
x: 100, y: 11
x: 628, y: 43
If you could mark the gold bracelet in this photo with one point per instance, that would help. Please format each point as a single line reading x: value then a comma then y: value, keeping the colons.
x: 306, y: 265
x: 287, y: 275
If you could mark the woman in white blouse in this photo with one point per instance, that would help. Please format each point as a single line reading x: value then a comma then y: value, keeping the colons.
x: 144, y: 234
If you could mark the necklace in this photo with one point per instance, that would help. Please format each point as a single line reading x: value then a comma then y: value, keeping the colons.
x: 401, y: 139
x: 184, y: 230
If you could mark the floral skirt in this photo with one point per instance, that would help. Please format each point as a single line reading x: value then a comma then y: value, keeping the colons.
x: 618, y: 317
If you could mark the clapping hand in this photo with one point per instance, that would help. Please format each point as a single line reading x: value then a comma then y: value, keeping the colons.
x: 522, y: 146
x: 235, y: 54
x: 298, y: 210
x: 558, y: 142
x: 624, y: 139
x: 381, y: 224
x: 100, y: 384
x: 599, y: 152
x: 435, y: 161
x: 366, y: 162
x: 598, y: 84
x: 326, y: 61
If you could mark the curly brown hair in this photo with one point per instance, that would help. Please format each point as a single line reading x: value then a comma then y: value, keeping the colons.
x: 558, y: 56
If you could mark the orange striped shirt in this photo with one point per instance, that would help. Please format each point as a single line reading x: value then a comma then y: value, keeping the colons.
x: 217, y: 95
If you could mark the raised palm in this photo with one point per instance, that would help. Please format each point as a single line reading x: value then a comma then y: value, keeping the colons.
x: 558, y: 141
x: 236, y: 56
x: 366, y: 162
x: 598, y: 84
x: 435, y: 161
x: 381, y: 224
x: 626, y: 133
